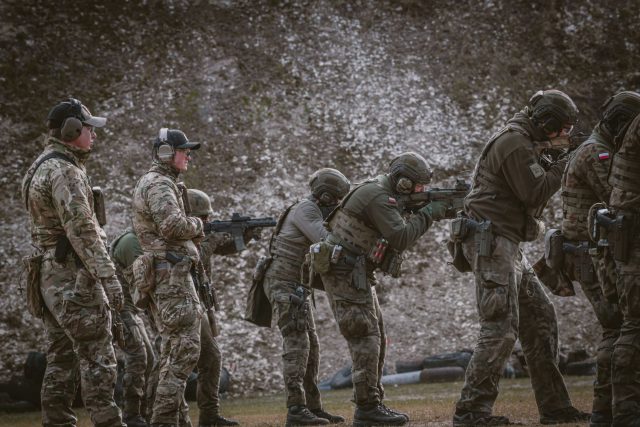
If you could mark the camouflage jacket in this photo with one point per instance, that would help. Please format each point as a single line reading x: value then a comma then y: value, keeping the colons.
x: 585, y: 182
x: 60, y: 202
x: 159, y: 218
x: 625, y: 171
x: 509, y: 184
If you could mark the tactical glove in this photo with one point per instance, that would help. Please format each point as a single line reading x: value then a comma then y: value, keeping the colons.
x: 435, y: 210
x: 113, y: 289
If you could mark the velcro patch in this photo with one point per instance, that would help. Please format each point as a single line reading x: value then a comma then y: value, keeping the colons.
x: 536, y: 170
x: 392, y: 201
x: 603, y: 156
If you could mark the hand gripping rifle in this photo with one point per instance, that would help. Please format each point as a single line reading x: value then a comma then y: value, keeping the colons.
x: 452, y: 196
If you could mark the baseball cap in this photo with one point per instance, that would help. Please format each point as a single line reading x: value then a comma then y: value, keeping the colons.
x: 73, y: 108
x: 177, y: 139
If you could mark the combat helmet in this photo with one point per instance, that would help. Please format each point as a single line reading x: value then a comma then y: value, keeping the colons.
x: 552, y: 109
x: 200, y: 202
x: 407, y: 170
x: 329, y: 185
x: 619, y: 110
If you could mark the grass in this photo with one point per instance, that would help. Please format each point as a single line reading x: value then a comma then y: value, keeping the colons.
x: 426, y: 404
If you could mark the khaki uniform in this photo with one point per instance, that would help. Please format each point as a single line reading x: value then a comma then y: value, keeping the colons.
x: 77, y: 317
x: 625, y: 199
x: 302, y: 226
x: 160, y: 223
x: 368, y: 213
x: 510, y: 189
x: 584, y: 183
x: 138, y: 350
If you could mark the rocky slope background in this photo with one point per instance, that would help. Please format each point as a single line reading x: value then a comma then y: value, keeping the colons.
x: 277, y: 89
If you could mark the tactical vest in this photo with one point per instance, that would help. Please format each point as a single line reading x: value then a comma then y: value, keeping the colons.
x: 287, y: 256
x: 577, y: 200
x: 625, y: 170
x: 350, y: 231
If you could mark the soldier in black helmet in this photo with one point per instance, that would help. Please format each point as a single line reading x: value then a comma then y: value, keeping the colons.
x: 299, y: 226
x: 368, y: 232
x: 584, y: 184
x: 510, y: 189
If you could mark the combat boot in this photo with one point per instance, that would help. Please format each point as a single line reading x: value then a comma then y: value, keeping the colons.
x: 333, y: 419
x: 299, y: 415
x: 134, y: 420
x: 376, y: 415
x: 600, y: 419
x: 564, y: 415
x: 394, y: 412
x: 463, y: 419
x: 219, y: 420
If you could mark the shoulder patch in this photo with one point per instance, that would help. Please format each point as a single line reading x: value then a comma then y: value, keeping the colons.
x: 536, y: 170
x: 603, y: 156
x: 392, y: 201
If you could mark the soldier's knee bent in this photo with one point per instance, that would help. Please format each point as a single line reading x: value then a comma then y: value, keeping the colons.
x: 626, y: 358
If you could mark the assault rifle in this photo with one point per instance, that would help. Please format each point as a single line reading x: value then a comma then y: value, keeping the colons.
x: 237, y: 226
x: 452, y: 196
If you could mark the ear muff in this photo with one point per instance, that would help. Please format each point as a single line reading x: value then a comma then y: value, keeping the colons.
x: 165, y: 151
x: 71, y: 127
x: 404, y: 185
x: 327, y: 199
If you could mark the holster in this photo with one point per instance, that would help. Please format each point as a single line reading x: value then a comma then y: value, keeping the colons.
x: 584, y: 271
x: 32, y: 265
x: 460, y: 229
x: 392, y: 262
x: 621, y: 236
x: 553, y: 249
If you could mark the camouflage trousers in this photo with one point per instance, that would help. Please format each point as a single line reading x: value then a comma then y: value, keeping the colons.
x: 78, y: 339
x: 177, y: 308
x: 511, y: 304
x: 359, y: 319
x: 139, y: 360
x: 300, y: 346
x: 608, y: 316
x: 626, y: 353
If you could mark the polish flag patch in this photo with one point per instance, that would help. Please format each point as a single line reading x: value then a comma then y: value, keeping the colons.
x: 392, y: 201
x: 603, y: 156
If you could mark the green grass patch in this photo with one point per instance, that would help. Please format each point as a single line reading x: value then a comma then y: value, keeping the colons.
x: 426, y: 404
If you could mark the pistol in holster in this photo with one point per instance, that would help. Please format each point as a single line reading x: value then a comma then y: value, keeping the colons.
x: 616, y: 230
x: 583, y: 265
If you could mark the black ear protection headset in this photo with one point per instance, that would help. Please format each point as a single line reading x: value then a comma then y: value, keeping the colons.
x: 164, y: 150
x: 546, y: 116
x: 71, y: 126
x: 326, y: 198
x: 404, y: 185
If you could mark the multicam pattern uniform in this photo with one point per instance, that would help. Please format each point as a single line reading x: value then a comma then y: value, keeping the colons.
x: 584, y: 183
x: 160, y: 223
x: 370, y: 211
x: 139, y: 354
x: 77, y: 319
x: 510, y: 299
x: 302, y: 226
x: 625, y: 198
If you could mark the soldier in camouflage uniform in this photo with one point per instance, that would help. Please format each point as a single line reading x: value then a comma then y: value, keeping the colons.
x: 584, y: 183
x: 366, y: 216
x: 166, y: 236
x: 625, y: 200
x: 77, y: 278
x: 510, y: 189
x: 300, y: 225
x: 139, y: 354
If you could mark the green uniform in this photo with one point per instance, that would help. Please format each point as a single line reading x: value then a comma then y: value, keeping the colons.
x: 510, y: 188
x: 161, y: 225
x: 625, y: 200
x: 139, y: 354
x: 302, y: 226
x: 368, y: 213
x: 77, y: 317
x: 584, y: 183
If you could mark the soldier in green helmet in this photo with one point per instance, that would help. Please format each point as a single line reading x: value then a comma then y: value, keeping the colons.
x: 368, y: 232
x: 300, y: 225
x: 509, y: 191
x: 584, y: 184
x: 139, y: 354
x: 624, y: 204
